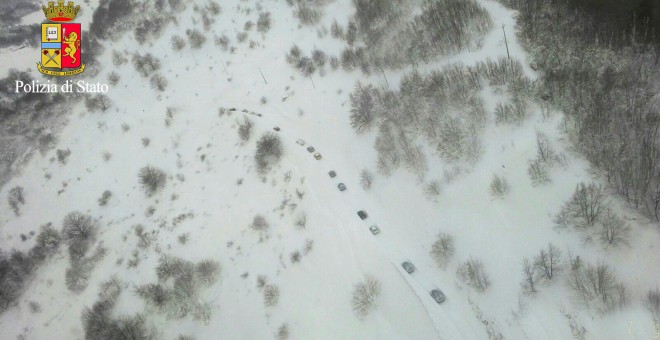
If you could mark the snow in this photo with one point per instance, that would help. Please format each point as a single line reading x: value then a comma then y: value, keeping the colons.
x: 315, y: 293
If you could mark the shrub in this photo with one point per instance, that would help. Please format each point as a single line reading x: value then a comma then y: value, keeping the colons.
x: 105, y: 197
x: 596, y: 286
x: 207, y: 271
x: 443, y: 250
x: 366, y: 179
x: 113, y: 78
x: 319, y: 58
x: 538, y: 172
x: 364, y: 297
x: 499, y: 186
x: 78, y: 227
x: 76, y: 277
x: 652, y: 302
x: 473, y: 274
x: 259, y: 223
x: 152, y: 179
x: 282, y: 332
x: 158, y: 82
x: 295, y: 257
x: 271, y: 295
x: 155, y: 294
x: 178, y: 43
x: 169, y: 267
x: 261, y: 281
x: 196, y: 38
x: 269, y: 150
x: 245, y: 129
x: 49, y: 239
x: 263, y: 24
x: 146, y: 64
x: 15, y: 198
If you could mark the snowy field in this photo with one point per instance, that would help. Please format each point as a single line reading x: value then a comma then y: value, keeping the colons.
x: 312, y: 248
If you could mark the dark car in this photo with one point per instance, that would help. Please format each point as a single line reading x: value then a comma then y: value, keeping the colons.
x: 408, y: 266
x: 342, y: 187
x: 310, y: 149
x: 277, y: 128
x: 438, y: 295
x: 332, y: 174
x: 374, y: 229
x: 362, y: 214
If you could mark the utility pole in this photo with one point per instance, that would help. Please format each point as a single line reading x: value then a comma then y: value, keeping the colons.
x: 506, y: 43
x: 262, y: 76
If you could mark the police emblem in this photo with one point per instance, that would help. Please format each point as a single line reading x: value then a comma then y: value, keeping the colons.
x: 60, y: 41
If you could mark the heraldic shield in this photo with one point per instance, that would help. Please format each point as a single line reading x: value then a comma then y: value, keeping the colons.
x: 60, y: 46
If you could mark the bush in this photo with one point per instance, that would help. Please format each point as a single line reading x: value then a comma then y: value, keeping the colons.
x: 155, y: 294
x: 207, y: 271
x: 366, y: 179
x: 113, y: 78
x: 49, y: 239
x: 264, y: 22
x: 76, y: 277
x: 443, y: 249
x: 364, y: 297
x: 282, y: 332
x: 319, y: 58
x: 196, y: 38
x: 538, y: 172
x: 78, y: 227
x: 15, y: 198
x: 172, y: 267
x: 596, y: 286
x: 259, y: 223
x: 158, y: 82
x: 499, y: 186
x: 245, y: 129
x: 146, y: 64
x: 362, y: 107
x: 269, y: 150
x: 152, y: 179
x: 271, y: 295
x: 105, y: 197
x: 652, y: 302
x: 473, y: 274
x: 178, y: 43
x: 63, y: 155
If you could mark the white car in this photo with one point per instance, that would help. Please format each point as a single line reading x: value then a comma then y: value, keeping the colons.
x: 374, y: 229
x: 300, y: 142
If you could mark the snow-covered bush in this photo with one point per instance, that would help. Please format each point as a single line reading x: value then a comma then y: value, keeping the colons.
x: 178, y: 43
x: 443, y: 249
x: 269, y: 151
x: 195, y: 38
x: 259, y: 223
x: 366, y: 179
x: 499, y: 186
x: 271, y: 295
x: 264, y: 22
x: 158, y: 82
x: 152, y: 179
x: 472, y: 272
x: 146, y: 64
x: 207, y: 271
x: 105, y: 197
x: 16, y: 198
x: 364, y: 296
x: 78, y: 227
x: 245, y: 129
x: 538, y: 172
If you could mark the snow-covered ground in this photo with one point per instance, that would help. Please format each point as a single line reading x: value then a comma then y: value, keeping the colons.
x: 213, y: 178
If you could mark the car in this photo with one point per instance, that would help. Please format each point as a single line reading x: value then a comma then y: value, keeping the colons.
x: 332, y: 174
x: 341, y: 186
x: 310, y: 149
x: 317, y: 156
x: 362, y: 214
x: 277, y: 128
x: 374, y: 229
x: 408, y: 266
x: 438, y: 296
x: 300, y: 142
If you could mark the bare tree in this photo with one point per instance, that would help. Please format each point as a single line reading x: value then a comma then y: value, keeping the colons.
x: 472, y: 272
x: 158, y: 82
x: 544, y: 151
x: 652, y: 302
x: 269, y: 150
x: 178, y: 43
x: 443, y: 249
x: 614, y: 230
x: 365, y: 294
x: 362, y: 106
x: 529, y: 277
x: 78, y: 227
x: 584, y: 209
x: 152, y: 179
x: 271, y: 295
x: 548, y: 263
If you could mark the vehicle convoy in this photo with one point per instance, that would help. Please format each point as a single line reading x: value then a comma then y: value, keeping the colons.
x: 374, y: 229
x: 362, y: 214
x: 408, y: 266
x: 438, y: 295
x: 342, y: 187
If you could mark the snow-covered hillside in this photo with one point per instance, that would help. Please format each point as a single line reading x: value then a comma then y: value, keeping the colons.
x: 289, y: 245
